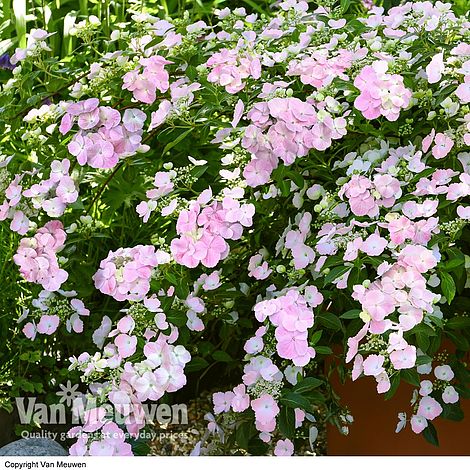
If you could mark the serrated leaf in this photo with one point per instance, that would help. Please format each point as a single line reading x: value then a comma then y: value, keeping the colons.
x: 222, y: 356
x: 447, y: 286
x: 351, y: 314
x: 197, y: 363
x: 307, y: 384
x: 287, y: 422
x: 329, y: 320
x: 430, y: 434
x: 295, y: 400
x: 335, y: 273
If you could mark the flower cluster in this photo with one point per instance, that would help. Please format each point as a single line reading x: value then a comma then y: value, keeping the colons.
x: 228, y: 68
x: 204, y: 228
x: 429, y: 400
x: 104, y: 136
x: 52, y: 195
x: 125, y: 274
x: 292, y: 316
x: 286, y: 129
x: 99, y: 437
x: 147, y: 78
x: 382, y: 94
x: 51, y: 309
x: 37, y: 256
x: 133, y: 383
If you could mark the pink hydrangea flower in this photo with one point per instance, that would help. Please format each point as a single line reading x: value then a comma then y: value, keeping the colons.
x: 429, y: 408
x: 284, y: 448
x: 265, y: 408
x: 450, y: 395
x: 37, y: 257
x: 125, y: 274
x: 444, y: 373
x: 373, y: 365
x: 241, y: 400
x: 404, y: 358
x: 442, y: 145
x: 418, y: 423
x: 222, y: 401
x: 382, y: 94
x: 147, y: 78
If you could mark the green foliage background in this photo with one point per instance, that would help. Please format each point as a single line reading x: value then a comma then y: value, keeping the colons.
x: 23, y: 366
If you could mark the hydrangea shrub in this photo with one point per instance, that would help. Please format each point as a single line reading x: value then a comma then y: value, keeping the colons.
x: 281, y: 195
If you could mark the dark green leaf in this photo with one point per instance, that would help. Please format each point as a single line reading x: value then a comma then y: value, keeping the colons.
x: 295, y: 400
x: 430, y: 434
x: 329, y: 320
x: 351, y: 314
x: 335, y: 273
x: 197, y: 363
x: 452, y: 412
x: 447, y: 286
x: 287, y: 422
x: 307, y: 384
x: 222, y: 356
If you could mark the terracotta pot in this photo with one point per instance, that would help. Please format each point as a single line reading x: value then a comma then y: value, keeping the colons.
x: 373, y: 430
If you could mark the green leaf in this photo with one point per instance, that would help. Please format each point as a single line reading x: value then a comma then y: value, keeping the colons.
x: 345, y: 6
x: 447, y: 286
x: 140, y: 447
x: 176, y: 141
x: 423, y: 341
x: 458, y: 323
x: 176, y: 317
x: 351, y: 314
x: 222, y: 356
x: 456, y: 258
x: 411, y: 376
x: 287, y: 422
x: 244, y: 433
x: 197, y: 363
x: 394, y: 384
x: 335, y: 273
x: 452, y: 412
x: 423, y: 359
x: 284, y: 186
x: 460, y: 341
x: 315, y: 337
x: 307, y: 384
x: 295, y: 400
x: 430, y: 434
x: 323, y: 350
x: 297, y: 178
x: 329, y: 320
